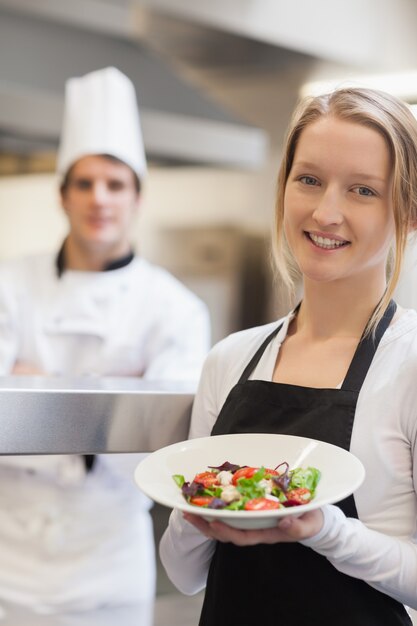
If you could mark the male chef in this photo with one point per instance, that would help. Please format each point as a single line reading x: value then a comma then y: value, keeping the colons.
x: 75, y: 532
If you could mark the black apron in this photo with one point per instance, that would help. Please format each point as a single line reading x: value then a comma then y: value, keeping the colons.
x: 290, y: 584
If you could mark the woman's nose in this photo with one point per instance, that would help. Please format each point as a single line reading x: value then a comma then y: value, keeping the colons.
x: 328, y: 208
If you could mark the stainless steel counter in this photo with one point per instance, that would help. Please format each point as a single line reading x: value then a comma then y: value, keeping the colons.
x: 40, y: 415
x: 14, y: 615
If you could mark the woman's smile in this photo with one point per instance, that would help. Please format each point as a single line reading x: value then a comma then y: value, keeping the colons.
x: 326, y: 242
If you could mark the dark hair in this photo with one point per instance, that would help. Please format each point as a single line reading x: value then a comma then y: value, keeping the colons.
x: 66, y: 180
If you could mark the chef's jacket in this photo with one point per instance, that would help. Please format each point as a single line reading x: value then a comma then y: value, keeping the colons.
x: 137, y: 320
x: 71, y: 539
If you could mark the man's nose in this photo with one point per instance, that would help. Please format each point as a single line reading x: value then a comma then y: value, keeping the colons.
x: 99, y: 193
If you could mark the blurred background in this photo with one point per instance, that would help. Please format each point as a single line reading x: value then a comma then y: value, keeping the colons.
x: 216, y: 83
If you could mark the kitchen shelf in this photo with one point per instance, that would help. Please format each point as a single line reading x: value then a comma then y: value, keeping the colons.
x: 41, y: 415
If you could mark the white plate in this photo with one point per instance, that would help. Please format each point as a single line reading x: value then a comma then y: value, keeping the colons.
x: 341, y: 472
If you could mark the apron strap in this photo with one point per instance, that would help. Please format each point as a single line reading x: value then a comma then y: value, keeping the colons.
x: 257, y: 356
x: 365, y: 351
x: 362, y: 358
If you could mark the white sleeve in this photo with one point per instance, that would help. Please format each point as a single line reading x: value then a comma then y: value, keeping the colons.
x: 386, y: 563
x: 185, y: 552
x: 206, y: 405
x: 9, y: 339
x: 180, y: 344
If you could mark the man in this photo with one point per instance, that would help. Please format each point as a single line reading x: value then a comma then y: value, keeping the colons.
x: 75, y: 533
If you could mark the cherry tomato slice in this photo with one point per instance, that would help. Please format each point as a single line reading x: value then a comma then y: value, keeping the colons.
x: 207, y: 479
x: 201, y: 500
x: 298, y: 496
x: 261, y: 504
x: 270, y: 472
x: 243, y: 472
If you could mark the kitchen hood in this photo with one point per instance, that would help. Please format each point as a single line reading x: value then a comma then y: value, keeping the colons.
x: 180, y: 124
x: 251, y: 55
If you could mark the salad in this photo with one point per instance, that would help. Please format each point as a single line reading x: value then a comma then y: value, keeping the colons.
x: 242, y: 487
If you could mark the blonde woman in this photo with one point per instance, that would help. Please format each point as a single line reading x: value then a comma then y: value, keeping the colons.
x: 341, y: 367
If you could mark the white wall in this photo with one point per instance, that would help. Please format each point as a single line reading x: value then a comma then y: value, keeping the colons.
x: 31, y: 219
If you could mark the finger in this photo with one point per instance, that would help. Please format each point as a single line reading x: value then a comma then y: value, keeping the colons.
x: 198, y: 522
x: 227, y: 534
x: 224, y: 533
x: 296, y: 528
x: 288, y: 529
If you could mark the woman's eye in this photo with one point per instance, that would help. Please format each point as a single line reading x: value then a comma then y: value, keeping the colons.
x: 308, y: 180
x: 364, y: 191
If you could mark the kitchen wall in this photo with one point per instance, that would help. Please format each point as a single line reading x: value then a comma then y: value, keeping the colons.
x: 31, y: 220
x: 181, y: 197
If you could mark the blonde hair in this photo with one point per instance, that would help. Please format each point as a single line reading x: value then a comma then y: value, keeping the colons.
x: 392, y: 119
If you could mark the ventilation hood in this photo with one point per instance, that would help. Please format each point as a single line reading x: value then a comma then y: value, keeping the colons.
x: 40, y: 49
x: 250, y: 55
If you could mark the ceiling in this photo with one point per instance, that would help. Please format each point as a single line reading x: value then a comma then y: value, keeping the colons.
x: 215, y: 81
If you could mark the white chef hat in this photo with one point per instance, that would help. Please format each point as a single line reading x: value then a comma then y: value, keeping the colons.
x: 101, y: 116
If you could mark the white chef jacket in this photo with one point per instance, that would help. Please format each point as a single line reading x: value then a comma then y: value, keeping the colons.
x: 71, y: 540
x: 134, y: 321
x: 379, y: 547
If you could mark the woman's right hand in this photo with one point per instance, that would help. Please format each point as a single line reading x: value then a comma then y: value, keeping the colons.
x: 288, y: 529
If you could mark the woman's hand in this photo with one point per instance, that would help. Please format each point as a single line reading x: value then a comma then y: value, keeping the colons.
x: 288, y: 529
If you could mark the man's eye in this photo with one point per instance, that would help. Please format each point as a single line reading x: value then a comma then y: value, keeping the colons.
x: 308, y: 180
x: 115, y: 185
x: 81, y: 184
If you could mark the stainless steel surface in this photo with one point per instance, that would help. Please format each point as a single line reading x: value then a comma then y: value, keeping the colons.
x: 91, y: 415
x: 180, y: 123
x: 15, y: 615
x: 171, y: 608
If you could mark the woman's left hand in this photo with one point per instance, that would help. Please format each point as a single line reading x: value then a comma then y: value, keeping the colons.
x: 288, y: 529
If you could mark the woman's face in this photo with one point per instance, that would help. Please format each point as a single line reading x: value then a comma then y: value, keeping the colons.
x: 338, y: 214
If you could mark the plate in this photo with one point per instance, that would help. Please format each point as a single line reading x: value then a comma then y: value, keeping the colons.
x: 341, y: 472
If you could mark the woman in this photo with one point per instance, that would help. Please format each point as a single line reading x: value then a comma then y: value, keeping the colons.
x: 341, y: 367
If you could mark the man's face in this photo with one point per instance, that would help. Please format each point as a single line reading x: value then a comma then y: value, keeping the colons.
x: 100, y: 200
